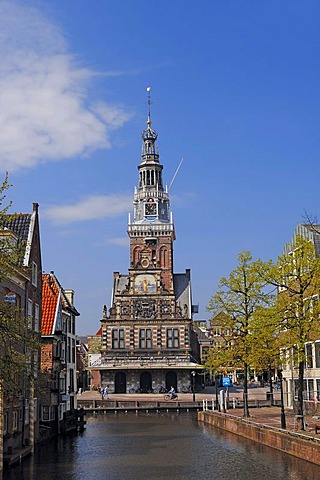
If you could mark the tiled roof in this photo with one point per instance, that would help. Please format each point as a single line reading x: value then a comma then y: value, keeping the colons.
x: 50, y: 298
x: 22, y: 225
x: 99, y: 332
x: 19, y: 223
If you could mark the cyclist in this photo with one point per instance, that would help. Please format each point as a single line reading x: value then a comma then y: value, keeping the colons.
x: 173, y: 393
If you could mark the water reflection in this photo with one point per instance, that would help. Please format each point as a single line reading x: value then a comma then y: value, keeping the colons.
x: 158, y: 447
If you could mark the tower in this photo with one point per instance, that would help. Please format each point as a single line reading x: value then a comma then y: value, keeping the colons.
x: 147, y: 338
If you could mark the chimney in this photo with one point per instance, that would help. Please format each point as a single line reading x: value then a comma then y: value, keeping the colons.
x: 70, y: 296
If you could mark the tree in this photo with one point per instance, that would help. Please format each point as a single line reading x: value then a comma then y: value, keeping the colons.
x: 239, y: 297
x: 266, y: 344
x: 297, y: 277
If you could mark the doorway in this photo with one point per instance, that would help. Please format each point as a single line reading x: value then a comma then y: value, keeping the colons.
x: 146, y: 382
x: 120, y: 383
x: 171, y: 380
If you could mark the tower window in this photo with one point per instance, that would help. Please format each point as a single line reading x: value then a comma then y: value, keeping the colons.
x: 172, y: 338
x: 151, y: 241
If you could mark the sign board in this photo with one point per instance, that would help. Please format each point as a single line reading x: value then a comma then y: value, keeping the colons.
x: 10, y: 297
x: 65, y: 398
x: 226, y: 381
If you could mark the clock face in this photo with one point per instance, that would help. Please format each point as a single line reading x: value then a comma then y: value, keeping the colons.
x: 151, y: 207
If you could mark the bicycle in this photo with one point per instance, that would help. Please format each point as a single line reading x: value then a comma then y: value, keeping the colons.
x: 170, y: 396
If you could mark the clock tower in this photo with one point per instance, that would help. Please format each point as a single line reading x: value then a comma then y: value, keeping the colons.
x: 147, y: 339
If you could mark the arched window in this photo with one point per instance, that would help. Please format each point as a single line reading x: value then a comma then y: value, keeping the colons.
x: 163, y: 257
x: 135, y: 255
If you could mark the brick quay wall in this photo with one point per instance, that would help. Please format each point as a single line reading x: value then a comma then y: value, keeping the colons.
x: 296, y: 444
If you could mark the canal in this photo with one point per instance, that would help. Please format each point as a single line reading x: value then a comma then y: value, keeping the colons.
x: 162, y: 446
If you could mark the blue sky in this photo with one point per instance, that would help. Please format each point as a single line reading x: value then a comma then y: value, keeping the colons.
x: 235, y: 91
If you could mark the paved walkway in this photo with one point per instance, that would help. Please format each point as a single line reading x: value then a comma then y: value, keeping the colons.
x: 269, y: 416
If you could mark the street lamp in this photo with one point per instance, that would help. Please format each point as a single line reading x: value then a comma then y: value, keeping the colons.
x: 216, y: 385
x: 193, y: 373
x: 283, y: 416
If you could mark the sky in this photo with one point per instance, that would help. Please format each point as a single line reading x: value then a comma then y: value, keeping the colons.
x: 235, y: 93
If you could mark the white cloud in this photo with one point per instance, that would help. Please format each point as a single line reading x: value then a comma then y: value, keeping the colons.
x: 90, y: 208
x: 45, y: 114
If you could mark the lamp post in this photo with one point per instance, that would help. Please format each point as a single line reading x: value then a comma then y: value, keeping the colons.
x: 283, y: 416
x: 216, y: 385
x: 193, y: 373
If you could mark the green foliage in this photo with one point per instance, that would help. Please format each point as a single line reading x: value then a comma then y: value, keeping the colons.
x: 240, y: 297
x: 18, y: 345
x: 95, y: 345
x: 265, y: 338
x: 297, y: 277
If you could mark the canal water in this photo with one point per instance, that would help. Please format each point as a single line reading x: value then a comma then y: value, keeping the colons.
x: 162, y: 446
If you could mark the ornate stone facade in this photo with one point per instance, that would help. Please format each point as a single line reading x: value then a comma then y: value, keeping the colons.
x: 147, y: 336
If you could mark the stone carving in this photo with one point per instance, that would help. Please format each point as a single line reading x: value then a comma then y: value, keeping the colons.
x: 145, y: 308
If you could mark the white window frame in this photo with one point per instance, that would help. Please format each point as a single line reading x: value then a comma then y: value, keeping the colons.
x: 62, y: 409
x: 5, y: 423
x: 30, y: 311
x: 47, y: 413
x: 34, y: 274
x: 173, y: 337
x: 145, y: 338
x: 26, y: 412
x: 118, y: 337
x: 36, y: 317
x: 15, y: 420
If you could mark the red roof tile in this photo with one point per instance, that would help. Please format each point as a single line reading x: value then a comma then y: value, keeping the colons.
x: 50, y: 298
x: 99, y: 332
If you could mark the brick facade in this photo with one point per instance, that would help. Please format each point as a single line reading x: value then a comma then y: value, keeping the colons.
x: 146, y: 334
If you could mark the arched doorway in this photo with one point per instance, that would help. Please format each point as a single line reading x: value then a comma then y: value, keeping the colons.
x: 120, y: 383
x: 171, y: 380
x: 145, y: 382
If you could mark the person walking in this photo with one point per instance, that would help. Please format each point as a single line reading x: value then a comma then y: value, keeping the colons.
x: 106, y: 392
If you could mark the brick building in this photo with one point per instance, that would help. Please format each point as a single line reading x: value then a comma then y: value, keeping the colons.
x: 22, y: 289
x: 148, y: 341
x: 58, y: 356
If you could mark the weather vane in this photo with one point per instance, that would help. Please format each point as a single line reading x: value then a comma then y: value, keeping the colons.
x: 149, y: 103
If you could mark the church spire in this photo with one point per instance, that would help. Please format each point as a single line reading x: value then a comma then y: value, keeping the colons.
x: 150, y: 168
x: 151, y: 201
x: 149, y: 137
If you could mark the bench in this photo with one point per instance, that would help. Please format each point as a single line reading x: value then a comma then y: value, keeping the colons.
x: 317, y: 428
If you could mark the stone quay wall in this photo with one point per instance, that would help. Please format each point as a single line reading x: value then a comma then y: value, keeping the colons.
x: 286, y: 441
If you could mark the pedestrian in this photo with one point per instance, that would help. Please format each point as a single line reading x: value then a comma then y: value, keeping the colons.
x: 106, y: 392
